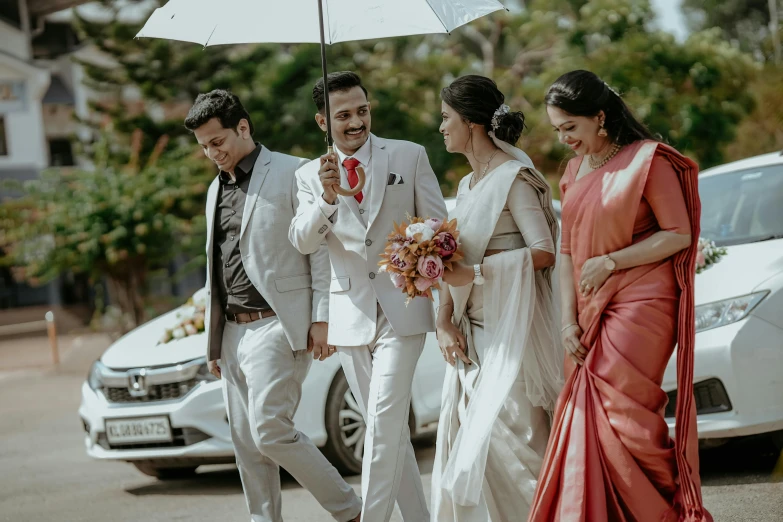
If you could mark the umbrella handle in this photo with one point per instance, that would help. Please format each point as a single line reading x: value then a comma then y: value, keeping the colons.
x: 349, y: 193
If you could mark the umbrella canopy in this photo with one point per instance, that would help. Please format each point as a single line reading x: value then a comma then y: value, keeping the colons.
x: 208, y: 22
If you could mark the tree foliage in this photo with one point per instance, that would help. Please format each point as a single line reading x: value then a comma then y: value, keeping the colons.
x: 693, y: 93
x: 113, y: 222
x: 745, y: 22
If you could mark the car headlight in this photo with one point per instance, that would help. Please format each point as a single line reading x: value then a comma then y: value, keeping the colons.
x: 725, y: 312
x: 95, y: 376
x: 203, y: 373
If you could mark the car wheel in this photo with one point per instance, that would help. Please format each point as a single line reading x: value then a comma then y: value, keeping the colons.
x: 345, y: 428
x: 163, y: 473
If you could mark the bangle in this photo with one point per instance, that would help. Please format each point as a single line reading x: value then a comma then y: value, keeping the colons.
x: 566, y: 327
x: 447, y: 304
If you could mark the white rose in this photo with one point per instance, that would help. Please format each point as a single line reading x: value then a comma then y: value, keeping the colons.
x: 178, y: 333
x: 420, y: 228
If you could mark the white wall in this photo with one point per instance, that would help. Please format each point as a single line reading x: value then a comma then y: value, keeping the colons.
x: 27, y: 146
x: 14, y: 41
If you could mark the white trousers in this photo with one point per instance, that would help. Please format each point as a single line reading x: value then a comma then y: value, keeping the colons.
x: 262, y: 387
x: 380, y: 376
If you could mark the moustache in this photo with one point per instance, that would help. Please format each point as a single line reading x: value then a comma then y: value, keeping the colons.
x: 362, y: 128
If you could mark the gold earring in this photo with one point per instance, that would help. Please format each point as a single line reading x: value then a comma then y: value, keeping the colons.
x: 602, y: 132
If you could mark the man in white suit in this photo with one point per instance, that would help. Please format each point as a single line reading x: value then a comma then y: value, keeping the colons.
x: 379, y: 339
x: 266, y: 309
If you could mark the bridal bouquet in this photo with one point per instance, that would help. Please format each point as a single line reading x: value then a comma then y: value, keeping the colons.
x: 190, y: 319
x: 417, y: 253
x: 707, y: 254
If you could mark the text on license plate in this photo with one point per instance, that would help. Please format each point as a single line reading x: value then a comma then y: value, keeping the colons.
x: 140, y: 430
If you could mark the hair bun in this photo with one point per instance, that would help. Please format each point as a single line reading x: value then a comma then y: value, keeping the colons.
x: 508, y: 125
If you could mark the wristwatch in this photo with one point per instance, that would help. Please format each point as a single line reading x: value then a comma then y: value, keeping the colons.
x: 478, y: 279
x: 609, y: 263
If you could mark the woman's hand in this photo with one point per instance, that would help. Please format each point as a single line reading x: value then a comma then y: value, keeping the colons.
x: 571, y: 342
x: 594, y: 275
x: 460, y: 275
x: 452, y: 343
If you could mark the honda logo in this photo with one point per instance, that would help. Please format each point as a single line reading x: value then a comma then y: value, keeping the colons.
x: 137, y: 382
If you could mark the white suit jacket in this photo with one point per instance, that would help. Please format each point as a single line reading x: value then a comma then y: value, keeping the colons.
x: 356, y: 287
x: 295, y: 285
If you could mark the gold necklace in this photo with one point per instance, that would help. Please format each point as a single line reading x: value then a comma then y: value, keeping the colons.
x: 485, y: 169
x: 600, y: 163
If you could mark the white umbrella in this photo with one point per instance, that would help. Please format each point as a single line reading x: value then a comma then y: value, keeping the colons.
x: 219, y: 22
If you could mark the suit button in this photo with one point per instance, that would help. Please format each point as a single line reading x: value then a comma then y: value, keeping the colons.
x: 368, y: 242
x: 372, y: 275
x: 361, y: 211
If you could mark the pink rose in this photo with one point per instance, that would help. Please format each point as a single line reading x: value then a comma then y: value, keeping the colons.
x: 447, y: 244
x: 701, y: 261
x: 422, y: 283
x: 434, y: 224
x: 398, y: 261
x: 430, y: 267
x: 398, y: 280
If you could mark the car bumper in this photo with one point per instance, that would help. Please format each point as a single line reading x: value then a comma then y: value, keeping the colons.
x: 737, y: 368
x: 198, y: 421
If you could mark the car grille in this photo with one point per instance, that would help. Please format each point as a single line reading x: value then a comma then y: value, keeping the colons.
x: 156, y: 392
x: 710, y: 397
x: 180, y: 437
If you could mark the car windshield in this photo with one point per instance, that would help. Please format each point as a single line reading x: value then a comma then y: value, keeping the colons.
x: 744, y: 206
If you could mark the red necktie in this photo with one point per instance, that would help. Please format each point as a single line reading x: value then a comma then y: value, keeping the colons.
x: 350, y: 165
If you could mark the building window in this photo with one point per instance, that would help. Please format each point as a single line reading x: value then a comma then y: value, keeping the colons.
x: 60, y: 153
x: 3, y: 140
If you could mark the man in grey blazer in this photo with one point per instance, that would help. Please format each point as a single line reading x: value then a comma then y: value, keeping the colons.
x: 379, y: 338
x: 266, y: 309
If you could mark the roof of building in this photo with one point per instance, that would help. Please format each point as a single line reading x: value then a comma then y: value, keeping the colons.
x: 58, y: 92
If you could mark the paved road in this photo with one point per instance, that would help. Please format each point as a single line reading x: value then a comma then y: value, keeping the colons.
x: 45, y: 475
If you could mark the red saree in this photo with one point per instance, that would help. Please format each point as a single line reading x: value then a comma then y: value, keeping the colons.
x: 610, y: 457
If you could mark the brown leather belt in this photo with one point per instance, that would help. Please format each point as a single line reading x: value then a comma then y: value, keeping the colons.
x: 249, y: 317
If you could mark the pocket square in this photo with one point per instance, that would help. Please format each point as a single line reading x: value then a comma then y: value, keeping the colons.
x: 394, y: 179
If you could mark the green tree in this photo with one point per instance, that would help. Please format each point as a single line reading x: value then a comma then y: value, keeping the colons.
x: 746, y: 22
x: 116, y: 223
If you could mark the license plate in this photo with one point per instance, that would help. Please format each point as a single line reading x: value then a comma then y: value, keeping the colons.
x: 140, y: 430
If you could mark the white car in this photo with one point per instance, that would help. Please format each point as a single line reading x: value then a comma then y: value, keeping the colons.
x: 738, y: 371
x: 157, y: 406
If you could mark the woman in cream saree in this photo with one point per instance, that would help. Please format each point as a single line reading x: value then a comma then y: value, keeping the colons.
x: 499, y: 336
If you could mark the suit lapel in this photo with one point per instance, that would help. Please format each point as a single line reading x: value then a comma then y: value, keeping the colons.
x: 260, y: 170
x: 212, y: 194
x: 380, y: 173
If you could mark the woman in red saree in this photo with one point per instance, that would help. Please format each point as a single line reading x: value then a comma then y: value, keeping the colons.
x: 630, y: 225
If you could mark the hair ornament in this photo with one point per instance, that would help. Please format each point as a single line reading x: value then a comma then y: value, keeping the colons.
x: 501, y: 111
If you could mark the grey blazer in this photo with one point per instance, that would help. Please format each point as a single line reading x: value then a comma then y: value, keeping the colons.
x: 356, y: 287
x: 296, y: 286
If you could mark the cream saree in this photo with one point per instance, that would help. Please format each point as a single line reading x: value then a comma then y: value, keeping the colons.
x: 494, y: 421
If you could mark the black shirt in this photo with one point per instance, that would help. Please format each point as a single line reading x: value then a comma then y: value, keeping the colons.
x: 237, y: 293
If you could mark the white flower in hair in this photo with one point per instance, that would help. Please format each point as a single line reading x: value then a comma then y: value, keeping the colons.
x: 502, y: 110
